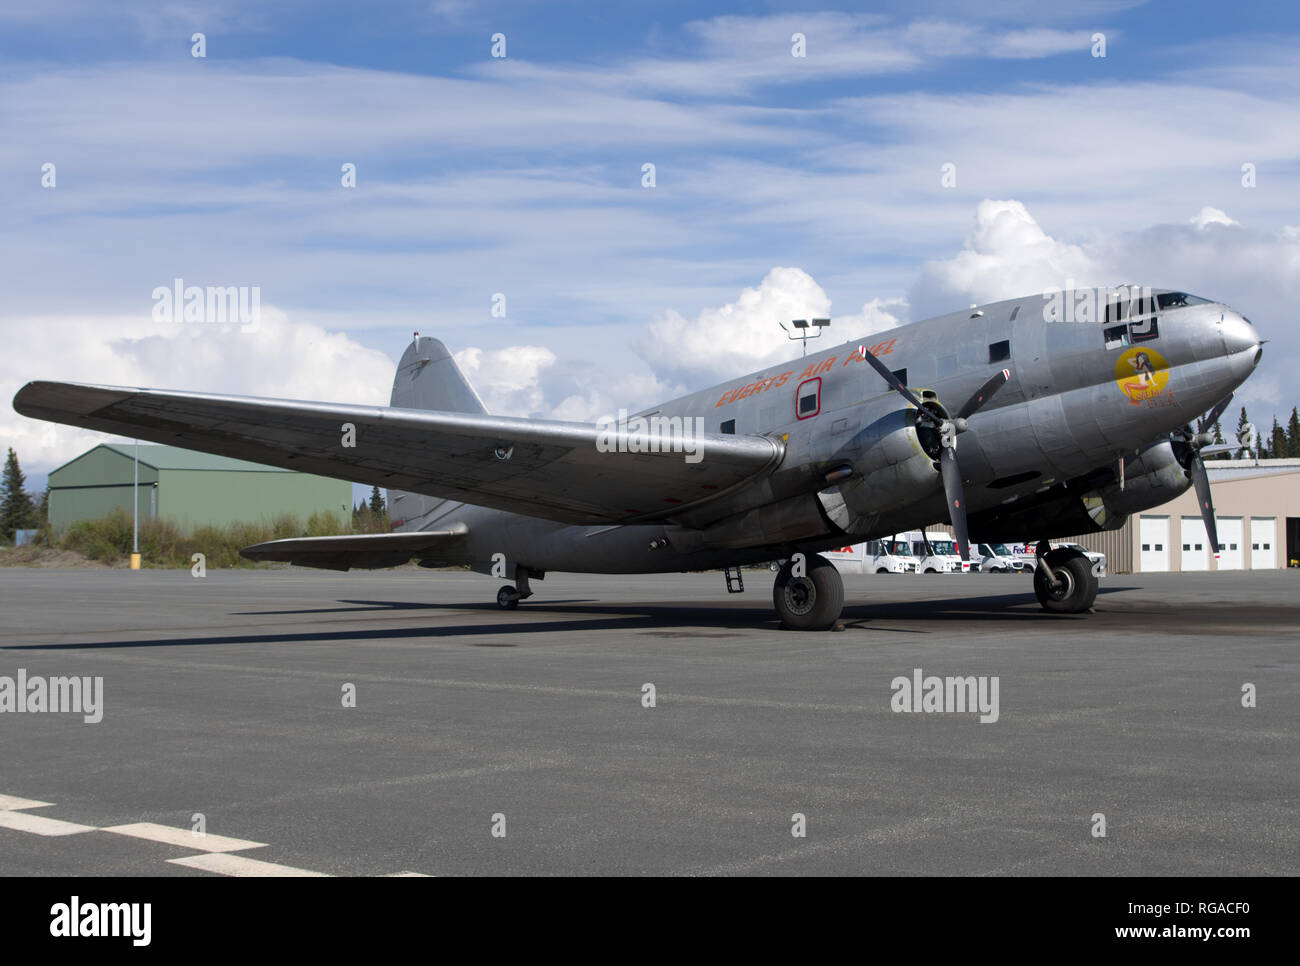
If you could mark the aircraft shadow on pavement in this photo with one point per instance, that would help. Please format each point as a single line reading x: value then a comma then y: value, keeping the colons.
x: 620, y: 618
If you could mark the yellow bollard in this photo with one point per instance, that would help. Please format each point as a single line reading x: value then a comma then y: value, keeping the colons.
x: 135, y: 561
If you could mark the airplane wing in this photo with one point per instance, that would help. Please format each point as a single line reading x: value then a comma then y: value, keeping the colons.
x: 543, y: 468
x: 364, y: 550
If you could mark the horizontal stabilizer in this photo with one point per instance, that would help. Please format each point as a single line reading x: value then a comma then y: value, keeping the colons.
x: 367, y: 551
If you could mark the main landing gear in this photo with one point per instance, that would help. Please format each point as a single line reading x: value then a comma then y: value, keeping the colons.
x: 1064, y: 581
x: 810, y: 600
x: 508, y: 597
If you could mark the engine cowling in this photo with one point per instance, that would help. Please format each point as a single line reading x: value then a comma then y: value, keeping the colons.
x: 1152, y: 477
x: 893, y: 462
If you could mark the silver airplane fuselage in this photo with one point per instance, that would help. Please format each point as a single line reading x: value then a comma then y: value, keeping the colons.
x: 1081, y: 397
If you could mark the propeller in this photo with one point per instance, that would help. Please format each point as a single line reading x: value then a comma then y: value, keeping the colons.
x: 1197, y: 443
x: 948, y: 432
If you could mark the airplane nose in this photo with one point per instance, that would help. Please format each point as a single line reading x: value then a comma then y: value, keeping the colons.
x: 1238, y: 334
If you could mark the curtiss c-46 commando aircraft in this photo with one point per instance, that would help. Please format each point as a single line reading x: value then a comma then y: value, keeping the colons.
x: 1016, y: 421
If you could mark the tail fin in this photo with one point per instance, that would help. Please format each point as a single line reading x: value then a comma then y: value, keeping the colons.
x: 428, y: 378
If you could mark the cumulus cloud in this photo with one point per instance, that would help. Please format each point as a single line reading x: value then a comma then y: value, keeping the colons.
x: 508, y: 380
x: 737, y: 337
x: 281, y: 358
x: 1006, y: 254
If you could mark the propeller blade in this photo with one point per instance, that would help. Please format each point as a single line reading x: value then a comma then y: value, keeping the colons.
x: 894, y: 382
x: 1213, y: 415
x: 1201, y: 480
x: 983, y: 394
x: 952, y: 489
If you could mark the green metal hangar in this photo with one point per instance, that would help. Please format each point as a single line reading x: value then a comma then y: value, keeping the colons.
x: 1256, y: 510
x: 192, y: 489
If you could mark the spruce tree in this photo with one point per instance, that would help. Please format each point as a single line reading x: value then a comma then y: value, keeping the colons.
x: 376, y: 501
x: 1277, y: 445
x: 16, y: 508
x: 1241, y: 426
x: 1218, y: 441
x: 1293, y: 435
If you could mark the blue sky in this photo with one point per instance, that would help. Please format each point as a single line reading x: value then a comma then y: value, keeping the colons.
x: 784, y: 186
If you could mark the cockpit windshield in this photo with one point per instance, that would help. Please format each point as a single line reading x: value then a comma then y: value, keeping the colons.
x: 1176, y: 300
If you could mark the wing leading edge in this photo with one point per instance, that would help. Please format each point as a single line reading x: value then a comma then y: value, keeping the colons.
x: 543, y: 468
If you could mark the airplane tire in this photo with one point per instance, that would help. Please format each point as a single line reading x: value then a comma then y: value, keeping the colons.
x: 507, y: 598
x: 1077, y: 586
x: 812, y: 602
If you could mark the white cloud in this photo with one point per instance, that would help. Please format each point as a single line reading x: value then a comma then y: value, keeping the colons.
x: 738, y: 337
x: 280, y: 359
x: 1007, y: 254
x: 508, y: 380
x: 1212, y: 216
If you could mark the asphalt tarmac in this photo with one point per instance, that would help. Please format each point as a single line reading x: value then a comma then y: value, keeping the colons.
x: 493, y: 742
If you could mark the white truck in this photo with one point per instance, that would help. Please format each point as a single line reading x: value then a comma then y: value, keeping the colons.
x: 996, y: 558
x: 941, y: 556
x: 1028, y: 557
x: 891, y: 557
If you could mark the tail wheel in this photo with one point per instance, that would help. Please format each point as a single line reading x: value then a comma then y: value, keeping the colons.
x: 1075, y: 586
x: 507, y: 598
x: 813, y: 601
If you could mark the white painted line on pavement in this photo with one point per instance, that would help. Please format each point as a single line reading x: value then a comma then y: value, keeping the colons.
x: 9, y: 803
x: 183, y: 837
x: 39, y: 825
x: 237, y: 865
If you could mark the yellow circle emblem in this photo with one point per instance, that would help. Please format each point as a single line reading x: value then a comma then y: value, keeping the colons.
x: 1141, y: 373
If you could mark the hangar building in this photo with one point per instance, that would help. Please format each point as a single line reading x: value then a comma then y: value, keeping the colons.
x: 1256, y: 508
x: 193, y: 489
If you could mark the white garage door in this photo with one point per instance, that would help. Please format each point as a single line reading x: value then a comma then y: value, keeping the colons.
x: 1263, y: 543
x: 1196, y: 545
x: 1232, y: 556
x: 1153, y: 542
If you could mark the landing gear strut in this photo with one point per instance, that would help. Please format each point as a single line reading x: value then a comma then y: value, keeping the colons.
x: 508, y: 597
x: 812, y: 601
x: 1063, y: 580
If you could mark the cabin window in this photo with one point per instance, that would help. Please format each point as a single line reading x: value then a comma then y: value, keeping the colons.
x: 901, y: 375
x: 1144, y: 330
x: 808, y: 400
x: 728, y: 426
x: 1116, y: 336
x: 1000, y: 351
